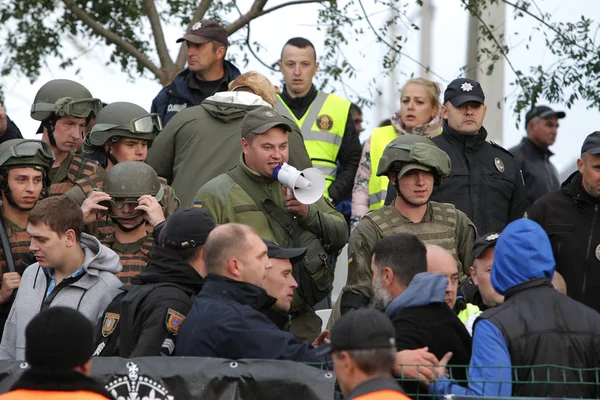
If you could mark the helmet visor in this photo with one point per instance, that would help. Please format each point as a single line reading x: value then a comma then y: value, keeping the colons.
x: 146, y: 124
x: 28, y: 148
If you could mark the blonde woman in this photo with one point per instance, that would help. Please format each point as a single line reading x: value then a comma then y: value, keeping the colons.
x: 419, y: 115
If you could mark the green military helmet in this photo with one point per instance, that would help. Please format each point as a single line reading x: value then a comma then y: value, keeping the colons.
x: 408, y: 152
x: 122, y: 119
x: 132, y: 179
x: 62, y: 97
x: 17, y: 153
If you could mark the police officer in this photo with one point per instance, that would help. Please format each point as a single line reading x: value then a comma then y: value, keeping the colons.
x: 249, y: 195
x: 329, y: 131
x: 24, y: 169
x: 130, y: 197
x: 65, y: 108
x: 145, y: 320
x: 485, y: 181
x: 414, y: 165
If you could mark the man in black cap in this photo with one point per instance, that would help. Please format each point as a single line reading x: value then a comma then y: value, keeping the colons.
x: 59, y: 347
x: 207, y: 73
x: 570, y: 218
x: 363, y: 351
x: 484, y: 182
x: 478, y: 290
x: 145, y: 320
x: 533, y: 155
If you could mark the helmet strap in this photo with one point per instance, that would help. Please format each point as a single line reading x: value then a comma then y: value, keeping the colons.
x: 124, y: 228
x: 49, y: 124
x: 4, y: 188
x: 399, y: 193
x: 110, y: 157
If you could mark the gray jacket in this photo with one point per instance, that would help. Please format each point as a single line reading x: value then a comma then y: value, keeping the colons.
x: 89, y: 295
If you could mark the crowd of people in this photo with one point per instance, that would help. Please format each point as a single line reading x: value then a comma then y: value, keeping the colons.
x: 132, y: 233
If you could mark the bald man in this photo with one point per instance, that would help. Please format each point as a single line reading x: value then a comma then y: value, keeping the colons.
x: 441, y: 261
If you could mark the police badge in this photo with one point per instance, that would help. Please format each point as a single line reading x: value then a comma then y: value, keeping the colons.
x: 174, y: 320
x: 499, y: 164
x: 110, y: 323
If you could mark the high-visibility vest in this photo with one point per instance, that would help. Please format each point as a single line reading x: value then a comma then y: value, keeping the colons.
x: 378, y: 185
x: 322, y: 126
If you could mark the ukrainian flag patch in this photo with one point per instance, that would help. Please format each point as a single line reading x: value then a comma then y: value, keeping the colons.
x: 198, y: 204
x: 350, y: 259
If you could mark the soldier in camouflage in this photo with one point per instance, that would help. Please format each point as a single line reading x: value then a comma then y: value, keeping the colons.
x: 130, y: 197
x: 24, y: 169
x: 414, y: 165
x: 64, y: 109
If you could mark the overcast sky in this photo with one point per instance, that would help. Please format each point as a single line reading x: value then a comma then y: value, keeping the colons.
x: 448, y: 52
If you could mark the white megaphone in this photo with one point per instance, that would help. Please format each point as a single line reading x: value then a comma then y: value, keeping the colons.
x: 308, y: 185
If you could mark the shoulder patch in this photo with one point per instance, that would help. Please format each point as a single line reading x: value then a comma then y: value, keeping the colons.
x: 110, y: 323
x: 198, y: 204
x: 350, y: 259
x: 173, y: 321
x: 496, y: 145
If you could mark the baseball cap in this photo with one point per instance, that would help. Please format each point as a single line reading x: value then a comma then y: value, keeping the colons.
x: 281, y: 253
x: 484, y: 242
x: 542, y: 112
x: 59, y: 337
x: 261, y: 119
x: 409, y: 167
x: 462, y: 90
x: 205, y: 31
x: 591, y: 144
x: 187, y: 228
x: 361, y: 329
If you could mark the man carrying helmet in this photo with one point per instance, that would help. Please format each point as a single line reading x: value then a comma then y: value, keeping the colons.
x: 24, y: 169
x: 122, y: 132
x: 414, y: 165
x: 64, y: 108
x: 130, y: 197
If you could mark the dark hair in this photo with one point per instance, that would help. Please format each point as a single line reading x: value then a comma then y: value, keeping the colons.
x: 224, y: 242
x: 404, y: 253
x: 189, y: 254
x: 300, y: 43
x: 60, y: 213
x: 354, y: 108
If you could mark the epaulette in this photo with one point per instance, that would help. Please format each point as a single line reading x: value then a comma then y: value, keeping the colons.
x: 496, y: 145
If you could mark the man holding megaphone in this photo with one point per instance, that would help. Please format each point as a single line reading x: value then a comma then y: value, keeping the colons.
x: 285, y: 206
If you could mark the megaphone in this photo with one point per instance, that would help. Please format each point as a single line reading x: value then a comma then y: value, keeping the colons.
x: 308, y: 186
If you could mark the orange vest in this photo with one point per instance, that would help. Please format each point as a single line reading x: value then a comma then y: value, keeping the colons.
x: 23, y: 394
x: 383, y: 395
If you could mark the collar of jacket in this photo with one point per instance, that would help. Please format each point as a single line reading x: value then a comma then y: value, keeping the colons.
x: 534, y: 148
x: 281, y: 319
x: 240, y: 292
x: 299, y: 103
x: 469, y: 141
x: 253, y: 174
x: 573, y: 186
x: 374, y: 385
x: 231, y: 72
x: 425, y: 288
x: 530, y: 284
x: 57, y: 380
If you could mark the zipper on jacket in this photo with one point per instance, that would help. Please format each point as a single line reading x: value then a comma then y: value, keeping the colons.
x: 587, y: 255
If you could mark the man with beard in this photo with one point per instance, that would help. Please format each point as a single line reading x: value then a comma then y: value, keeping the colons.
x: 414, y: 299
x: 24, y: 169
x: 415, y: 165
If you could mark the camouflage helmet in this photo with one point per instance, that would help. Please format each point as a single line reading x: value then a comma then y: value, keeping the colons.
x: 16, y: 153
x: 62, y: 97
x: 132, y: 179
x: 408, y: 152
x: 122, y: 119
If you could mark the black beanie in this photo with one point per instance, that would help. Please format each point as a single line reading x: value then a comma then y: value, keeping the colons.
x: 59, y: 337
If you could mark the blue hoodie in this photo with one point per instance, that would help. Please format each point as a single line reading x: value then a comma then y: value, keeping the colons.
x: 522, y: 253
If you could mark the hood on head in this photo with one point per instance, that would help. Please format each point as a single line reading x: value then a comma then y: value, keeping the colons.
x: 425, y: 288
x: 522, y: 253
x: 98, y: 257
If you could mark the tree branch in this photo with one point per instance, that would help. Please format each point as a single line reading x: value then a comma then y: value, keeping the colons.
x: 159, y: 38
x: 255, y: 12
x: 114, y: 38
x: 198, y: 15
x: 292, y: 3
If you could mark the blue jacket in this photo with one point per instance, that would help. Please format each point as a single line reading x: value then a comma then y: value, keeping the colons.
x: 522, y: 253
x: 178, y: 95
x: 228, y: 321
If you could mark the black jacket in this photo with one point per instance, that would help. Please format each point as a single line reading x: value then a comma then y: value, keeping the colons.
x: 539, y: 174
x: 485, y: 182
x: 12, y: 132
x: 570, y: 217
x: 57, y: 380
x: 350, y: 150
x: 544, y: 327
x: 152, y: 309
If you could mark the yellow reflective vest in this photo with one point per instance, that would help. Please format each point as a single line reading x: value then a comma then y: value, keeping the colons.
x: 322, y: 126
x: 378, y: 185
